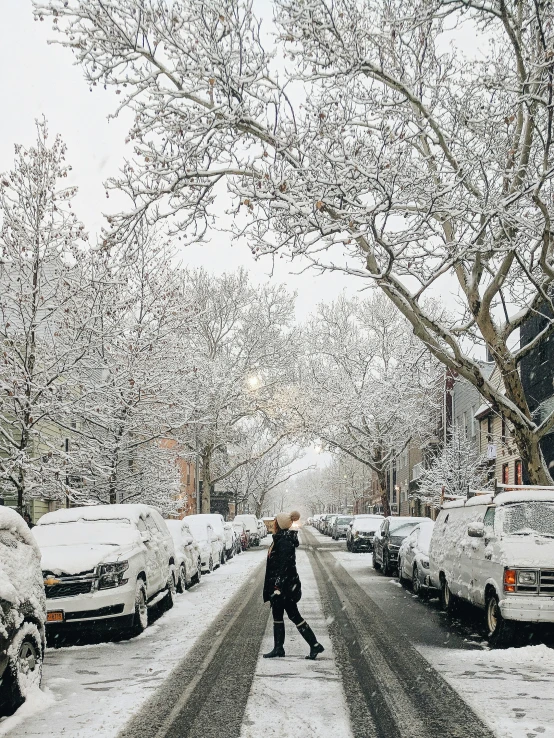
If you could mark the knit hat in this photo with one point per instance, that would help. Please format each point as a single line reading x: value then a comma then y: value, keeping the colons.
x: 285, y: 520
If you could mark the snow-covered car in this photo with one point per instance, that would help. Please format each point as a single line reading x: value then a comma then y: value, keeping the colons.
x: 388, y: 539
x: 188, y: 561
x: 497, y: 552
x: 222, y: 531
x: 22, y: 612
x: 251, y: 523
x: 105, y: 565
x: 413, y: 558
x: 340, y: 526
x: 208, y: 542
x: 242, y: 535
x: 360, y: 532
x: 262, y: 529
x: 329, y: 524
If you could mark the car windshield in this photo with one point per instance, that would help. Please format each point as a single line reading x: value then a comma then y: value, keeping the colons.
x: 529, y: 519
x: 198, y: 529
x: 101, y: 532
x: 343, y: 521
x: 401, y: 528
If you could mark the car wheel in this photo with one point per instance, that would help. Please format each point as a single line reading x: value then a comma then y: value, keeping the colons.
x: 348, y: 545
x: 210, y: 565
x: 24, y: 669
x: 387, y: 571
x: 501, y: 632
x: 401, y: 577
x: 376, y: 564
x: 447, y: 599
x: 182, y: 580
x: 168, y: 600
x: 140, y: 619
x: 416, y: 582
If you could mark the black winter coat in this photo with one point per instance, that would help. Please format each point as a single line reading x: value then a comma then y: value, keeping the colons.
x: 281, y: 571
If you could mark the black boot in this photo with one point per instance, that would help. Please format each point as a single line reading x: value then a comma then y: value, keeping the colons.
x: 278, y: 640
x: 309, y: 636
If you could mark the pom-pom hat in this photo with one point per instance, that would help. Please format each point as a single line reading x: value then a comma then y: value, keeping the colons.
x: 285, y: 520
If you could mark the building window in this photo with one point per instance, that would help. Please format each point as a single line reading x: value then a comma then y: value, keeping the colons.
x: 505, y: 474
x: 473, y: 422
x: 489, y: 428
x: 518, y: 472
x: 464, y: 422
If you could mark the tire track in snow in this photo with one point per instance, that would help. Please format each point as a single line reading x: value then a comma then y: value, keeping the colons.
x: 205, y: 696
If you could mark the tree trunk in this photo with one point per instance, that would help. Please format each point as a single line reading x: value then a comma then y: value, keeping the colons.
x: 381, y: 478
x: 531, y: 456
x: 206, y: 480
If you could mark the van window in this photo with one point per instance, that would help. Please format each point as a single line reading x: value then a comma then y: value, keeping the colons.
x: 151, y: 525
x: 141, y: 525
x: 488, y: 520
x: 529, y: 518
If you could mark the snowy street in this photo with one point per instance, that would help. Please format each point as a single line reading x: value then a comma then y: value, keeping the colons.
x: 393, y: 666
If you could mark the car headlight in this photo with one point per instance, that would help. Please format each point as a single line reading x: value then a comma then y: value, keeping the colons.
x: 424, y: 564
x: 527, y: 577
x: 111, y: 575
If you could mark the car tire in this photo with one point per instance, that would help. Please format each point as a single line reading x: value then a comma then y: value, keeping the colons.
x: 24, y: 669
x: 348, y: 545
x: 140, y: 618
x: 376, y: 564
x: 198, y: 576
x: 181, y: 580
x: 417, y: 587
x: 401, y: 578
x: 169, y: 600
x: 447, y: 599
x: 210, y: 565
x: 500, y: 632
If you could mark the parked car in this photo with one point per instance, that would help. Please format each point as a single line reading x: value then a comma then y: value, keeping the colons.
x: 498, y: 554
x: 262, y: 529
x: 360, y: 532
x: 329, y: 522
x: 105, y: 565
x: 340, y: 526
x: 251, y: 523
x: 208, y: 542
x: 188, y: 561
x: 242, y: 534
x: 22, y: 612
x: 387, y: 541
x: 413, y: 558
x: 223, y: 531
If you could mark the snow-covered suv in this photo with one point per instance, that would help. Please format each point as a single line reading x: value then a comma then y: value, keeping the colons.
x: 104, y: 565
x: 22, y: 611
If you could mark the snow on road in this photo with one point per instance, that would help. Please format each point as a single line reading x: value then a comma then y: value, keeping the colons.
x: 510, y: 689
x: 294, y: 697
x: 92, y: 690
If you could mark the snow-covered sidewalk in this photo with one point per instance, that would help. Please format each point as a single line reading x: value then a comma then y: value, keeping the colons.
x: 294, y: 697
x: 92, y: 690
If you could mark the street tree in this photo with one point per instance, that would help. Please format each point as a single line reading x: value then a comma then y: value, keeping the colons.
x: 456, y: 469
x: 368, y: 386
x: 363, y: 138
x: 254, y: 482
x: 47, y: 320
x: 244, y: 346
x: 133, y: 388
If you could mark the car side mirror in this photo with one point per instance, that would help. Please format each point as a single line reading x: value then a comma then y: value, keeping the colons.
x: 476, y: 530
x: 145, y: 536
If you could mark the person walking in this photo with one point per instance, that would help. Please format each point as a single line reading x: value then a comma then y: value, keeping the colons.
x: 283, y: 589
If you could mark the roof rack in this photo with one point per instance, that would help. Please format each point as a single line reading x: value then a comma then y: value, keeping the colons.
x: 498, y: 488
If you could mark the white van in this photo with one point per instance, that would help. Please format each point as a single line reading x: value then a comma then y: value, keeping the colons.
x: 497, y: 552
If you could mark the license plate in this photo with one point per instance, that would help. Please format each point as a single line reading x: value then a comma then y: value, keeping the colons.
x: 56, y: 616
